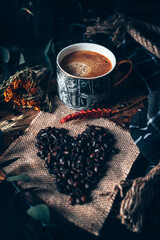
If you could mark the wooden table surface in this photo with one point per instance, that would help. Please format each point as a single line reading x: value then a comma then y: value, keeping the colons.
x: 130, y: 91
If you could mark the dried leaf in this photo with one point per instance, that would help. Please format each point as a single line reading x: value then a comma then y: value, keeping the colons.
x: 2, y: 176
x: 22, y: 177
x: 39, y: 212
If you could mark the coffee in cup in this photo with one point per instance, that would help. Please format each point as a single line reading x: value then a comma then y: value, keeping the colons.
x: 86, y: 64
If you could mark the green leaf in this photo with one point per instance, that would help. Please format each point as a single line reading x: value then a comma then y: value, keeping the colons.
x: 5, y: 54
x: 39, y: 212
x: 22, y: 177
x: 8, y: 162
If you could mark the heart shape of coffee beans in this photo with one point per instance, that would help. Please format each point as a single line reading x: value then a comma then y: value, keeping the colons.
x: 78, y: 163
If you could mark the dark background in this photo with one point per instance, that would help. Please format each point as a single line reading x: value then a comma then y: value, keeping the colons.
x: 15, y: 35
x: 10, y: 22
x: 52, y: 19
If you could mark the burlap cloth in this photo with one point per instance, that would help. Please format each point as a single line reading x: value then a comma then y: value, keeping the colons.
x: 90, y: 216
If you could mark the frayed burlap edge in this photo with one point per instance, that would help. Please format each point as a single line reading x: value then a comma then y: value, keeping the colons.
x: 92, y: 215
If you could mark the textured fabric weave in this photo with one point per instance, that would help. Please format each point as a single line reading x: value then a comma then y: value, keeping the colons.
x: 145, y: 64
x: 90, y: 216
x: 145, y: 129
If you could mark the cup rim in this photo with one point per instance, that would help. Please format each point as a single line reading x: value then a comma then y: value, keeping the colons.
x: 87, y: 78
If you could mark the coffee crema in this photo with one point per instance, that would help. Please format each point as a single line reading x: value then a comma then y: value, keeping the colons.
x: 86, y: 64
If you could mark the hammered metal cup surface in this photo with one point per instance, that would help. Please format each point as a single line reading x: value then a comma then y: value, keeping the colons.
x: 84, y: 93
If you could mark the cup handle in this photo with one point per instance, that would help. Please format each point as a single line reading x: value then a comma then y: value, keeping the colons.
x: 127, y: 74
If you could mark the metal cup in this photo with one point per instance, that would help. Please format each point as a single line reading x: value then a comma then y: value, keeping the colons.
x: 81, y: 93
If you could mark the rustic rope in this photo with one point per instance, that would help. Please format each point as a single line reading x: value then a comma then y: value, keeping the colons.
x: 137, y: 29
x: 139, y: 197
x: 115, y: 25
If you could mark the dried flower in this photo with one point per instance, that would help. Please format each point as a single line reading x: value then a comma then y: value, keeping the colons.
x: 15, y: 124
x: 94, y: 113
x: 98, y: 113
x: 24, y: 88
x: 14, y: 92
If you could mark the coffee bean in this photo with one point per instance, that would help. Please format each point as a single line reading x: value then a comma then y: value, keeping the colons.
x: 96, y: 159
x: 78, y: 200
x: 70, y: 181
x: 97, y: 155
x: 92, y: 155
x: 64, y: 175
x: 91, y: 173
x: 102, y: 158
x: 76, y: 176
x: 77, y: 163
x: 72, y: 171
x: 93, y: 142
x: 78, y: 192
x: 87, y: 185
x: 49, y: 159
x: 97, y: 150
x: 83, y: 150
x: 44, y: 135
x: 59, y: 174
x: 96, y: 169
x: 100, y: 137
x: 105, y: 145
x: 88, y: 161
x: 66, y: 152
x: 68, y: 187
x: 61, y: 161
x: 69, y: 163
x: 71, y: 200
x: 54, y: 154
x: 75, y: 184
x: 82, y: 181
x: 38, y: 154
x: 37, y: 145
x: 83, y: 199
x: 58, y: 180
